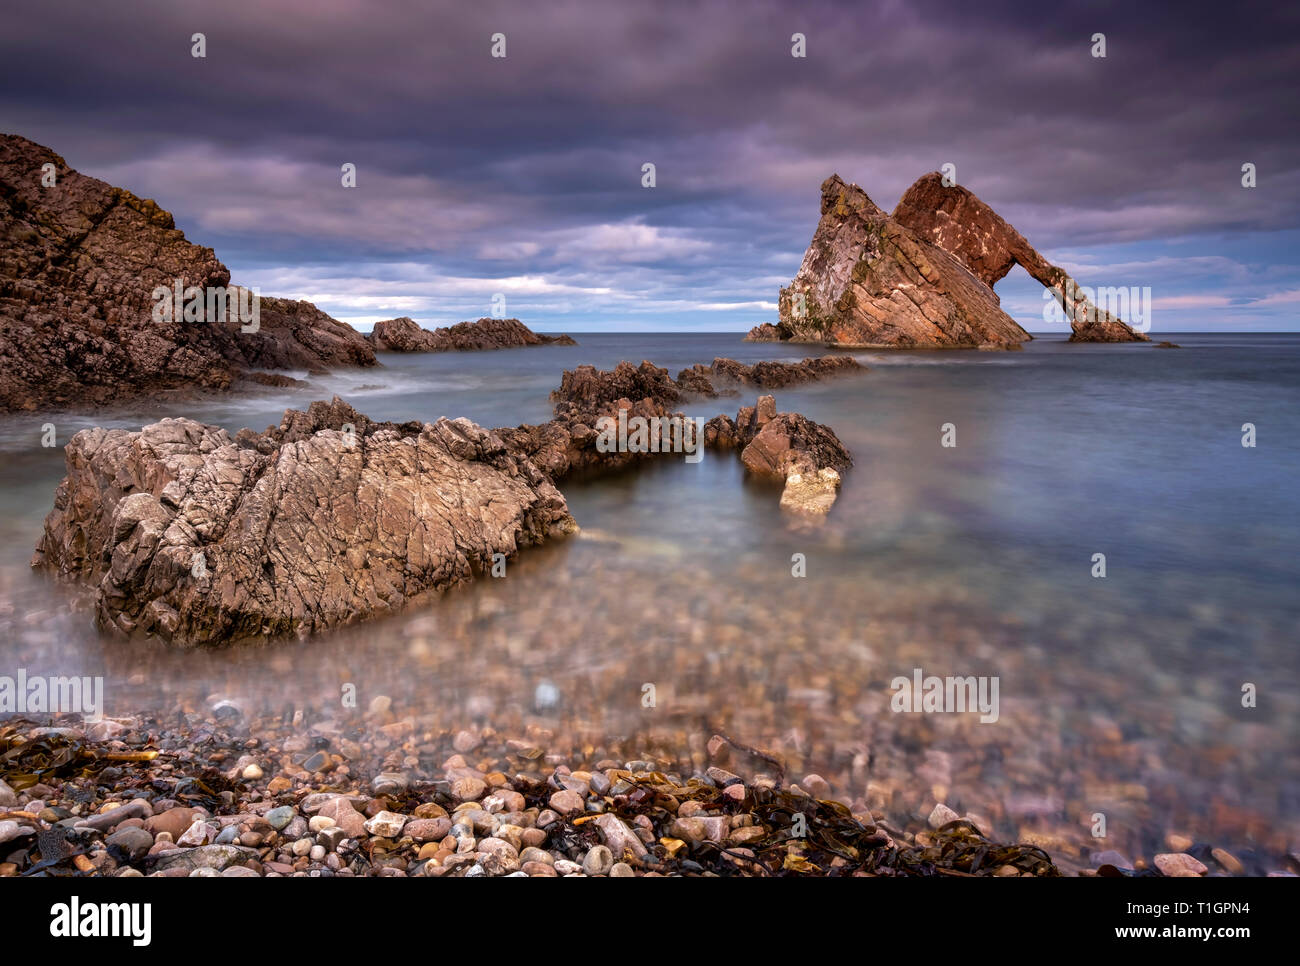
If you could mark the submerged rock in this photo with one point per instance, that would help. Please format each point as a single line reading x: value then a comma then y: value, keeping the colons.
x: 196, y: 536
x: 778, y: 375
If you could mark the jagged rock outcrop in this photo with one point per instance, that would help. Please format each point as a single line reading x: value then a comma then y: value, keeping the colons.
x: 589, y: 388
x: 567, y: 444
x: 766, y: 375
x: 294, y: 334
x: 775, y: 445
x: 188, y: 533
x: 199, y: 537
x: 809, y: 457
x: 79, y: 263
x: 401, y: 335
x: 765, y: 332
x: 964, y: 226
x: 921, y: 278
x: 406, y: 335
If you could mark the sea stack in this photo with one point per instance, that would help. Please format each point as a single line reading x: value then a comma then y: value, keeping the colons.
x: 921, y: 278
x: 953, y: 218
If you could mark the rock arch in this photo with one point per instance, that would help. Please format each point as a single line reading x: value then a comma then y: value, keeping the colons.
x: 957, y: 221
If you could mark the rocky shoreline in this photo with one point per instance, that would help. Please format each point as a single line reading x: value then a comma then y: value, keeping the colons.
x: 223, y: 795
x: 219, y: 793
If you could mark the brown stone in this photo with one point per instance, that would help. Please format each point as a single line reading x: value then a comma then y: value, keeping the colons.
x: 921, y: 278
x: 324, y: 519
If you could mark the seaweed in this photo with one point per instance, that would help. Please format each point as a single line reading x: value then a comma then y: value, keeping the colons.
x: 25, y: 762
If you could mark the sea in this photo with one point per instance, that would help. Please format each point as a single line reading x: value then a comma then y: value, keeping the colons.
x: 1111, y: 534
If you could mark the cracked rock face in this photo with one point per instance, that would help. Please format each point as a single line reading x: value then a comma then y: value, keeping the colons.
x: 199, y: 537
x: 921, y: 278
x: 867, y: 280
x: 79, y: 261
x: 960, y: 223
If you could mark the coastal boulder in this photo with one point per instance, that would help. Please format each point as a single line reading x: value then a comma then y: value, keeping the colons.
x: 190, y: 534
x: 807, y: 456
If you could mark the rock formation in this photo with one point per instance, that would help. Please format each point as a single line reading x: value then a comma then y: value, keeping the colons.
x: 921, y: 278
x: 406, y: 335
x: 401, y: 335
x: 297, y: 335
x: 699, y: 379
x: 964, y: 226
x: 765, y: 332
x: 79, y: 262
x: 567, y: 444
x: 807, y: 456
x: 199, y: 537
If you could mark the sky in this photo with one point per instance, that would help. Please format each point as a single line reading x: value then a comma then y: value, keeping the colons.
x: 522, y: 175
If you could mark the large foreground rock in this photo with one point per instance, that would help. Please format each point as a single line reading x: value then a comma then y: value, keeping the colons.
x: 406, y: 335
x: 79, y: 261
x: 921, y: 278
x: 194, y: 535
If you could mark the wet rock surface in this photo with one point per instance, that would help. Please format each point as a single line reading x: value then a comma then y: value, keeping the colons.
x: 79, y: 262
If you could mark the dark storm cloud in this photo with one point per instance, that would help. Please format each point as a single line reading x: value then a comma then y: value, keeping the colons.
x: 528, y: 168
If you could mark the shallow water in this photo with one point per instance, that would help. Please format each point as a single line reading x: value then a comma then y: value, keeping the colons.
x: 1119, y: 696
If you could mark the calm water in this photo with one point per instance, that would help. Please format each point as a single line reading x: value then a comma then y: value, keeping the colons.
x: 1119, y: 695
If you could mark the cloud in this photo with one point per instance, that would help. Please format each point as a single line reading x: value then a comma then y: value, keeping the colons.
x: 527, y: 169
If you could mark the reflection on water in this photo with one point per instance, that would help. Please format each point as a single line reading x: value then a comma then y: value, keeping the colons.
x: 1119, y: 696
